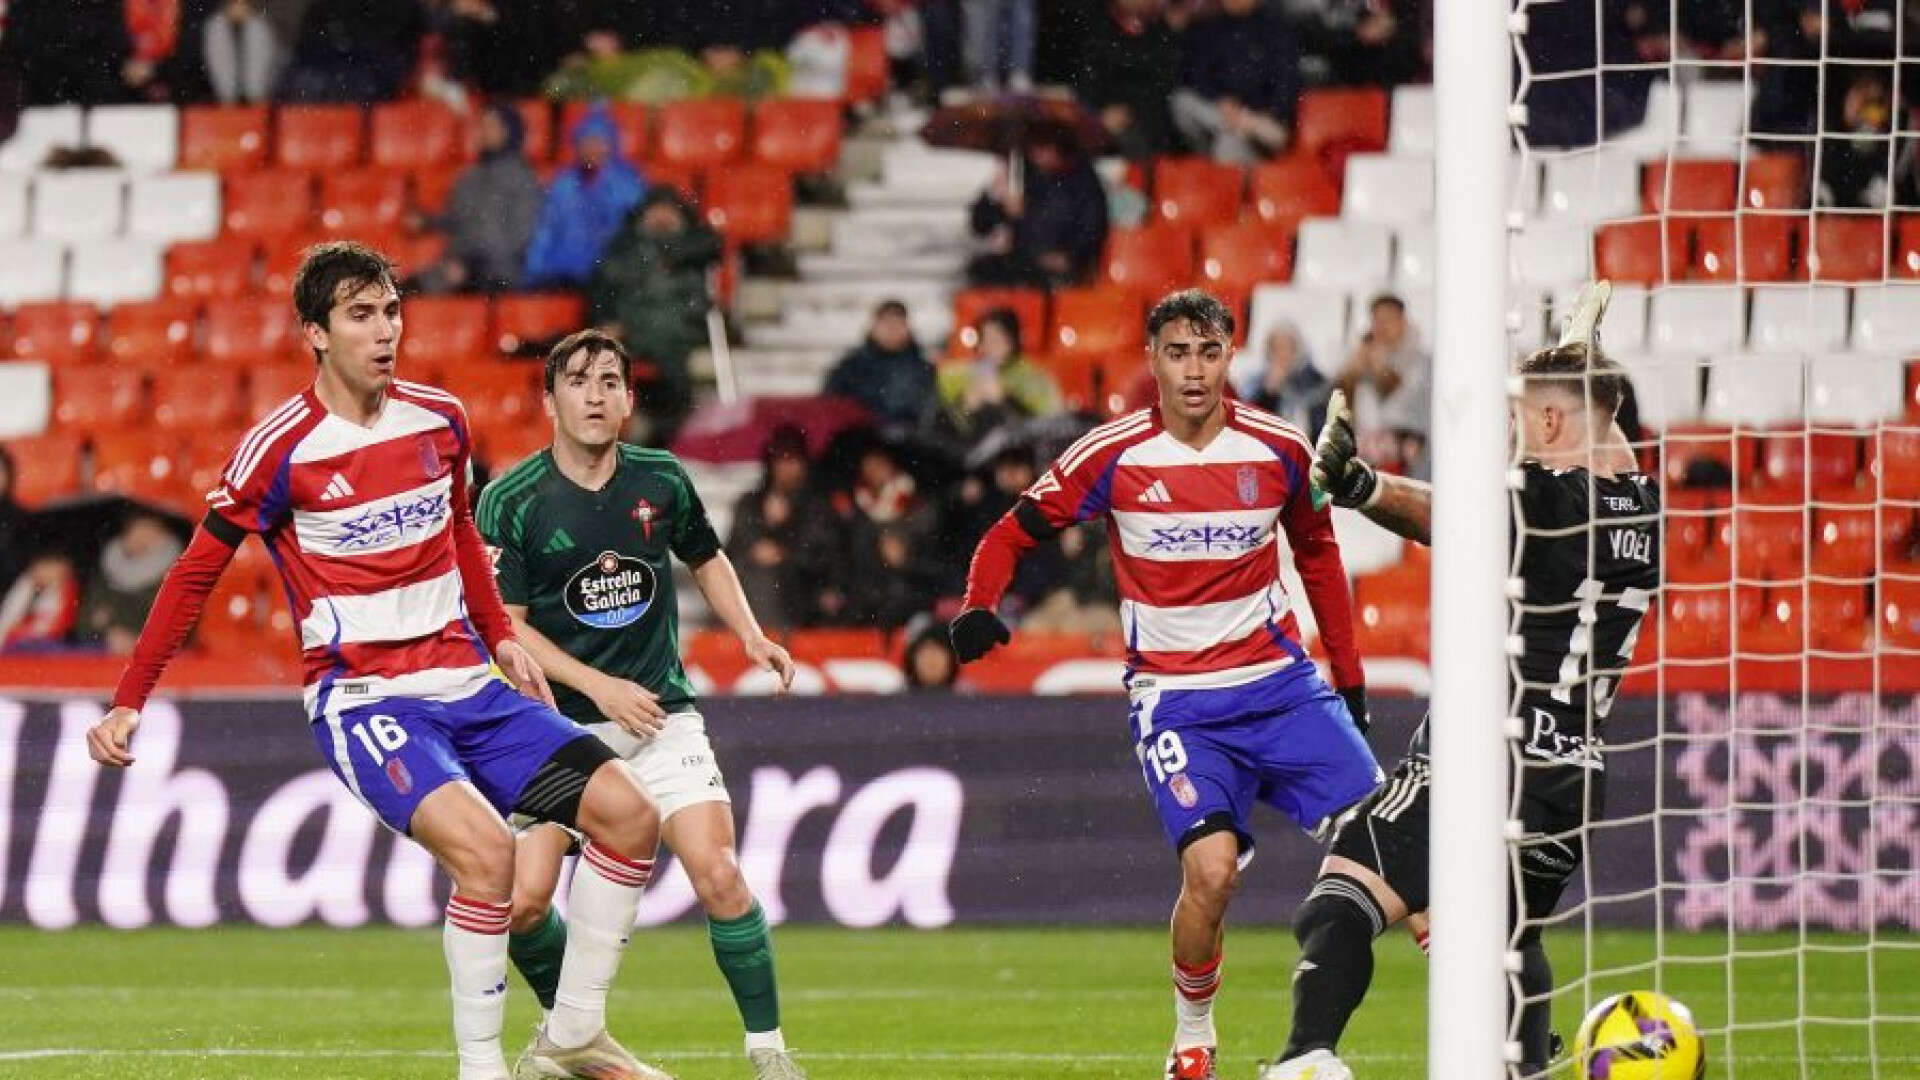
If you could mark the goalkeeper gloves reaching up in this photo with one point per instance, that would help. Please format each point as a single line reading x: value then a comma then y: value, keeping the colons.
x: 1340, y: 475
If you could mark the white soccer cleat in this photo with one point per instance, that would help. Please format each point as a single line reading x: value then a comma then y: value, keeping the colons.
x: 600, y: 1059
x: 1312, y: 1065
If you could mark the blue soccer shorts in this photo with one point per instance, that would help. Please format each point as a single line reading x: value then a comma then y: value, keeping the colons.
x: 1286, y: 740
x: 393, y: 752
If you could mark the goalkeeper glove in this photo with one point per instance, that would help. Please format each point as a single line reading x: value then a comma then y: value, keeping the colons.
x: 975, y: 632
x: 1356, y: 699
x: 1340, y: 475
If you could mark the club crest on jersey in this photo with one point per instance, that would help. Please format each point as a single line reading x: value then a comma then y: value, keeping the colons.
x: 1246, y: 483
x: 1183, y: 790
x: 429, y: 456
x: 644, y: 512
x: 399, y: 777
x: 612, y: 591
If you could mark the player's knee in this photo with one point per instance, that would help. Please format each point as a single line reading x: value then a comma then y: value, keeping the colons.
x: 480, y: 863
x: 721, y: 887
x: 1338, y: 907
x: 1212, y: 881
x: 529, y: 912
x: 619, y: 816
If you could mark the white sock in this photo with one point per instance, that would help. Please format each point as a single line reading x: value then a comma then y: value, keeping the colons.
x: 766, y: 1040
x: 1193, y: 992
x: 600, y: 908
x: 476, y: 946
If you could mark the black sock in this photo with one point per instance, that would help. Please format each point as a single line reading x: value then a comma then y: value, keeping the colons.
x: 1335, y: 928
x: 1536, y: 1018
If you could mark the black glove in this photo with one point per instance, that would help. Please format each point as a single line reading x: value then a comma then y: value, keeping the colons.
x: 975, y: 632
x: 1356, y: 699
x: 1339, y: 472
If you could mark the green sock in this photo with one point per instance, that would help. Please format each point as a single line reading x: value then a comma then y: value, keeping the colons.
x: 537, y: 953
x: 744, y: 950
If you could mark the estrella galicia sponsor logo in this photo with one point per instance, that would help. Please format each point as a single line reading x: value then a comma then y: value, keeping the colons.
x: 613, y: 590
x: 1224, y: 538
x: 393, y: 522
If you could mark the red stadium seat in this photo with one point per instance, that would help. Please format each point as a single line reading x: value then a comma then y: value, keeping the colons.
x: 1764, y: 252
x: 1150, y: 258
x: 1839, y: 618
x: 630, y: 118
x: 1900, y: 613
x: 270, y: 386
x: 1093, y: 382
x: 433, y: 186
x: 1691, y: 539
x: 1390, y: 614
x: 1768, y: 543
x: 1906, y: 246
x: 536, y: 124
x: 281, y: 259
x: 1824, y: 460
x: 1030, y: 305
x: 1632, y: 251
x: 799, y: 135
x: 197, y: 398
x: 444, y: 328
x: 750, y: 204
x: 1235, y: 258
x: 1353, y: 120
x: 1292, y: 188
x: 1197, y: 191
x: 223, y: 138
x: 250, y: 331
x: 271, y: 202
x: 413, y: 252
x: 318, y: 136
x: 211, y: 269
x: 1099, y: 321
x: 867, y: 64
x: 1848, y: 247
x: 358, y: 201
x: 45, y: 466
x: 496, y: 393
x: 503, y: 447
x: 1690, y: 444
x: 1695, y: 185
x: 685, y: 179
x: 1695, y: 622
x: 1774, y: 182
x: 152, y: 333
x: 530, y: 318
x: 1771, y: 622
x: 1846, y: 541
x: 106, y: 397
x: 413, y: 134
x: 58, y: 332
x: 1899, y: 463
x: 702, y: 133
x: 139, y: 462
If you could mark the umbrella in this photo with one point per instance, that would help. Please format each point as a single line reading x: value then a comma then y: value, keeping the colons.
x: 1008, y: 125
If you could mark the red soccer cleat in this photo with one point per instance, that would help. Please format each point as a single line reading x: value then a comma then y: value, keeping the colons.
x: 1194, y: 1063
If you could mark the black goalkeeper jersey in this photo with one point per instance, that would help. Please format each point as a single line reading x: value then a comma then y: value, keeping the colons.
x: 592, y: 567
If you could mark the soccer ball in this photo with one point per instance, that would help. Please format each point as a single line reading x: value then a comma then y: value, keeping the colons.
x: 1639, y: 1035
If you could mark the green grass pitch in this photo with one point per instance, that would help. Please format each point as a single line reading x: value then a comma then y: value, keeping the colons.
x: 860, y: 1005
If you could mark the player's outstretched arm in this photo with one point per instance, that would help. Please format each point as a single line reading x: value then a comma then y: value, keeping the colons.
x: 977, y: 631
x: 1341, y: 476
x: 720, y: 584
x: 626, y: 703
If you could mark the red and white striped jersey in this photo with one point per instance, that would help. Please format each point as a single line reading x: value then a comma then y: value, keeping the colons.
x: 360, y: 522
x: 1192, y: 536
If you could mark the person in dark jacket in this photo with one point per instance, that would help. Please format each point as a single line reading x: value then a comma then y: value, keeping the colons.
x: 1124, y: 71
x: 887, y: 373
x: 68, y: 51
x: 1052, y: 230
x: 784, y: 541
x: 585, y: 206
x: 490, y: 214
x: 1240, y: 83
x: 354, y: 50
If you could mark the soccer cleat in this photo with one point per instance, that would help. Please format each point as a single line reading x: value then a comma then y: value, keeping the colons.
x: 1193, y: 1063
x: 600, y: 1059
x: 1312, y: 1065
x: 771, y: 1064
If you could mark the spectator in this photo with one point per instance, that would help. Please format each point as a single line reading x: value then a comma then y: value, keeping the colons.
x: 651, y: 290
x: 1287, y: 383
x: 1560, y: 41
x: 1368, y: 42
x: 928, y: 661
x: 1240, y: 83
x: 490, y: 215
x: 39, y: 610
x: 783, y: 541
x: 121, y: 593
x: 70, y: 51
x: 13, y: 524
x: 984, y: 498
x: 1853, y: 155
x: 887, y: 373
x: 1124, y: 71
x: 1387, y: 379
x: 889, y: 525
x: 1051, y: 231
x: 1000, y: 384
x: 584, y: 208
x: 998, y: 44
x: 354, y: 50
x: 242, y: 55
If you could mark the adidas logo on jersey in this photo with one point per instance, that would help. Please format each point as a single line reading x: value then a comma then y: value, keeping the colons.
x: 336, y: 489
x: 1156, y: 493
x: 557, y: 543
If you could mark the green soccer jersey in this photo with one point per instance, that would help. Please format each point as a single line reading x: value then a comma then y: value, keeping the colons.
x: 591, y: 567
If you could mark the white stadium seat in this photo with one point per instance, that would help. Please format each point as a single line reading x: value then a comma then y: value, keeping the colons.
x: 1659, y: 130
x: 1321, y: 316
x: 79, y: 203
x: 1586, y: 186
x: 1798, y: 318
x: 1412, y: 123
x: 1886, y: 318
x: 1364, y: 546
x: 1755, y: 390
x: 31, y: 270
x: 13, y: 204
x: 1336, y: 254
x: 1705, y: 321
x: 1383, y: 187
x: 107, y: 272
x: 174, y: 206
x: 1858, y: 391
x: 1413, y: 257
x: 1553, y: 256
x: 1715, y: 116
x: 1667, y: 388
x: 143, y: 138
x: 1625, y: 326
x: 40, y: 129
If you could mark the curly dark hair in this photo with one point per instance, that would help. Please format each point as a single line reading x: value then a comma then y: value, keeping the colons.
x: 1200, y: 309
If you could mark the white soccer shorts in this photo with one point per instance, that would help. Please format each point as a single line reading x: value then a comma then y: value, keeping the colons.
x: 677, y: 767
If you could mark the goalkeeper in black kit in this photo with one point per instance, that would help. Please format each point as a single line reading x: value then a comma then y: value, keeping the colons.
x: 1586, y: 526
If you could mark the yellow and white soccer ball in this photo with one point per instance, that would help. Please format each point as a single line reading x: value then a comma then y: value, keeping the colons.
x: 1640, y: 1035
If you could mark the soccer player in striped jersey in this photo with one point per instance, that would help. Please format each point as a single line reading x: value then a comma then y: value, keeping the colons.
x: 359, y: 488
x: 1226, y: 709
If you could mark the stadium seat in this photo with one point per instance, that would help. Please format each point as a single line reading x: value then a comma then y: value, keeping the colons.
x: 415, y: 134
x: 1899, y: 463
x: 1690, y: 537
x: 46, y: 466
x: 1590, y: 186
x: 1839, y: 618
x: 1690, y: 445
x: 270, y: 202
x: 1414, y: 260
x: 750, y: 203
x: 444, y: 328
x: 1796, y: 461
x: 142, y: 138
x: 867, y: 63
x: 31, y: 270
x: 1382, y: 187
x: 152, y: 333
x: 1390, y: 615
x: 1798, y: 319
x: 412, y: 252
x: 1856, y: 390
x: 223, y: 138
x: 270, y: 386
x: 1768, y: 543
x: 1900, y: 613
x: 1886, y: 318
x: 536, y: 120
x: 139, y: 462
x: 1695, y: 622
x: 38, y: 130
x: 174, y: 206
x: 1352, y: 119
x: 100, y: 397
x: 1846, y: 541
x: 431, y: 187
x: 1553, y: 257
x: 1774, y: 182
x: 250, y: 330
x: 280, y: 259
x: 1236, y: 258
x: 797, y: 134
x: 1847, y: 247
x: 1715, y: 114
x: 631, y: 119
x: 520, y: 319
x: 357, y: 201
x: 1096, y: 321
x: 196, y: 398
x: 1029, y: 305
x: 1196, y: 191
x: 702, y: 133
x: 1659, y: 127
x: 1153, y: 258
x: 1336, y: 254
x: 1641, y: 252
x: 1755, y: 391
x: 60, y: 332
x: 318, y: 136
x: 496, y: 393
x: 79, y: 204
x: 1764, y: 249
x: 1412, y: 121
x: 1770, y: 621
x: 1667, y: 388
x: 1292, y: 188
x: 1689, y: 185
x: 108, y: 272
x: 1706, y: 321
x: 210, y: 269
x: 13, y: 204
x: 1906, y: 246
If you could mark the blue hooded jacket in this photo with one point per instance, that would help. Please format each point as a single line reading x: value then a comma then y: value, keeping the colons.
x: 583, y: 210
